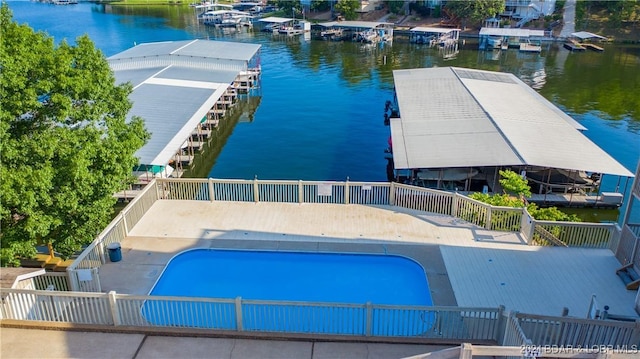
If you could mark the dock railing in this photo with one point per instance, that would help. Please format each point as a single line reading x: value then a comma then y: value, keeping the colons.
x: 83, y: 272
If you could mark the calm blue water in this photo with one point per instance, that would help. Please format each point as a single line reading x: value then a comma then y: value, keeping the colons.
x: 291, y: 276
x: 320, y: 116
x: 352, y: 279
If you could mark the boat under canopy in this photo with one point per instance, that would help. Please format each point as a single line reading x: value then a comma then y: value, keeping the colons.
x: 469, y: 119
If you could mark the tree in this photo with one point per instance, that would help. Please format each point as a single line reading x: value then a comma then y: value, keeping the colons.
x: 348, y: 8
x: 395, y: 6
x: 65, y: 142
x: 516, y: 189
x: 474, y: 10
x: 289, y: 6
x: 320, y: 5
x: 512, y: 183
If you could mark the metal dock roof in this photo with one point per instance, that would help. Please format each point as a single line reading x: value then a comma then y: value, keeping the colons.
x: 456, y: 117
x: 175, y: 85
x: 499, y: 31
x: 354, y: 24
x: 275, y: 19
x: 435, y: 30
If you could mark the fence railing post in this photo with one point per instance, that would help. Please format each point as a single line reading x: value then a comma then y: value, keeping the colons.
x: 487, y: 225
x: 73, y: 280
x: 635, y: 334
x: 369, y: 317
x: 212, y: 195
x: 466, y: 351
x: 454, y: 205
x: 346, y: 191
x: 238, y: 304
x: 124, y: 225
x: 500, y: 325
x: 115, y: 312
x: 300, y: 192
x: 256, y: 194
x: 392, y: 194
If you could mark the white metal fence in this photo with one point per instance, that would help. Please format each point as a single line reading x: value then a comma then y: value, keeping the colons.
x: 347, y: 192
x: 578, y: 332
x: 588, y: 235
x: 442, y: 324
x: 369, y: 320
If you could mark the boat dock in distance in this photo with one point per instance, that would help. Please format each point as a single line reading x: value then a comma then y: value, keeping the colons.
x: 582, y: 40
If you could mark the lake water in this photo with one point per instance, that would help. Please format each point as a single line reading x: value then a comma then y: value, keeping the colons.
x: 320, y: 116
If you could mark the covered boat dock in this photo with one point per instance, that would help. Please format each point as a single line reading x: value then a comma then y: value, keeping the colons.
x: 582, y: 40
x: 181, y: 89
x: 455, y: 128
x: 361, y: 31
x: 503, y: 38
x: 284, y: 25
x: 433, y: 35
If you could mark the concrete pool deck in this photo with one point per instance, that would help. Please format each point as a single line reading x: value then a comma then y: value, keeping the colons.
x: 465, y: 265
x: 19, y: 343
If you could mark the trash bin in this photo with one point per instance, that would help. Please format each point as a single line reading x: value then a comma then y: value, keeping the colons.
x: 115, y: 253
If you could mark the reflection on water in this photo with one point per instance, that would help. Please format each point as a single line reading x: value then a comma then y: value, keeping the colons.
x: 321, y: 114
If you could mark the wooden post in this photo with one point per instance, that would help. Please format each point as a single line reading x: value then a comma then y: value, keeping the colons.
x: 115, y: 312
x: 487, y: 225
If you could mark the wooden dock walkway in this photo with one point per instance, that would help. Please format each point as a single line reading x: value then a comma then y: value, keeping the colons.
x: 525, y: 47
x: 593, y: 47
x: 573, y: 46
x: 575, y: 200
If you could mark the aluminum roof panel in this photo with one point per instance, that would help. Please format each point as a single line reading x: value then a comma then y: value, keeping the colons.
x: 453, y: 117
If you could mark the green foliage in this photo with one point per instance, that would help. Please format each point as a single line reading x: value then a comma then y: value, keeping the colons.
x: 347, y: 8
x: 395, y: 7
x: 288, y: 6
x: 420, y: 9
x: 501, y: 200
x: 475, y: 11
x: 551, y: 214
x: 320, y: 5
x: 514, y: 184
x: 65, y: 143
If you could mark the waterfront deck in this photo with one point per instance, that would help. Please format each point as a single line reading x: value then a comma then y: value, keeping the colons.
x: 466, y: 265
x: 527, y: 47
x: 573, y: 46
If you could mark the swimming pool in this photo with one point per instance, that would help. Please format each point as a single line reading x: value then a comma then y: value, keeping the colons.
x: 350, y: 279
